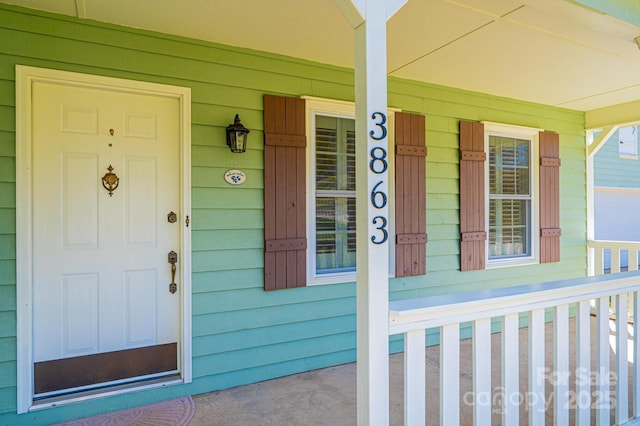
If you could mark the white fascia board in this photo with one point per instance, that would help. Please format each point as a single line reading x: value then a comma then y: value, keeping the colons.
x: 621, y: 115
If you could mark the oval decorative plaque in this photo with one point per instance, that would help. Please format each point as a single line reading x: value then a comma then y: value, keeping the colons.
x: 235, y: 177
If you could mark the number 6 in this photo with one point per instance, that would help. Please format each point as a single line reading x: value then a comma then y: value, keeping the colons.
x: 376, y: 195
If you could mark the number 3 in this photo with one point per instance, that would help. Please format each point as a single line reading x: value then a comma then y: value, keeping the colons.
x: 381, y: 124
x: 385, y: 233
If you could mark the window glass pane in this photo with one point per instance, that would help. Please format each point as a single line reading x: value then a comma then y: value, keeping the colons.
x: 509, y: 165
x: 335, y: 234
x: 335, y: 153
x: 508, y: 228
x: 350, y: 139
x: 509, y: 197
x: 335, y: 195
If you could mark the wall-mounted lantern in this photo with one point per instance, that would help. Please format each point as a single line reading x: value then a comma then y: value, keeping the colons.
x: 237, y: 136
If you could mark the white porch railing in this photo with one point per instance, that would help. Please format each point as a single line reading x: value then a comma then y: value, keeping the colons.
x: 612, y: 256
x: 603, y: 389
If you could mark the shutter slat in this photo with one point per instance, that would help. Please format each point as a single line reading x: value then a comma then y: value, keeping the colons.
x: 549, y: 197
x: 410, y: 200
x: 472, y: 213
x: 284, y: 193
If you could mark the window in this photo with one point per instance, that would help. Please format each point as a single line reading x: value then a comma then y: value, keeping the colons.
x: 331, y: 199
x: 331, y: 193
x: 335, y: 194
x: 309, y: 192
x: 511, y: 209
x: 628, y: 146
x: 509, y: 196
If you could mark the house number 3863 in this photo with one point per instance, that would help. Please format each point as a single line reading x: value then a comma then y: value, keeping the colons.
x: 378, y: 165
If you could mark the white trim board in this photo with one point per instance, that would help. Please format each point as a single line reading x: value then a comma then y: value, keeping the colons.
x: 25, y: 78
x: 616, y: 189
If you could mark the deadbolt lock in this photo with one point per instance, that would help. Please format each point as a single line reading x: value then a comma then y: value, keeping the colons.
x: 172, y: 217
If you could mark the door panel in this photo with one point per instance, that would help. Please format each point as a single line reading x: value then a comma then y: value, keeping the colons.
x: 80, y: 314
x: 80, y: 201
x: 141, y: 307
x: 141, y: 175
x: 101, y: 277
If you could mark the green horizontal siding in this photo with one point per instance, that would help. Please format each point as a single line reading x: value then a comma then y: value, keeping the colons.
x: 8, y: 323
x: 8, y: 272
x: 7, y: 349
x: 273, y: 335
x: 242, y: 334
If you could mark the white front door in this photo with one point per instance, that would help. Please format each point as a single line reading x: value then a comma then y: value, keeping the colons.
x: 106, y: 180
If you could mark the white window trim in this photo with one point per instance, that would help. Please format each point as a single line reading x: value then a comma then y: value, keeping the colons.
x: 508, y: 130
x: 339, y: 109
x: 627, y: 155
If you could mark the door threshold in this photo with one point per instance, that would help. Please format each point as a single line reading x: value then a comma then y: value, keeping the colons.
x: 40, y: 403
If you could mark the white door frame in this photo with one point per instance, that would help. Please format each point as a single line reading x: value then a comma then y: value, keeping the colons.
x: 25, y: 78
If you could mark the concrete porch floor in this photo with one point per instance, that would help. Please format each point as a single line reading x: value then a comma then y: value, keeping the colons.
x: 328, y: 396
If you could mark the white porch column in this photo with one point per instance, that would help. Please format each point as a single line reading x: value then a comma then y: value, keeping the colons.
x: 369, y: 19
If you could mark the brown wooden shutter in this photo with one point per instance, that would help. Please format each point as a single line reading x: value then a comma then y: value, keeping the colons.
x: 284, y: 193
x: 549, y: 197
x: 472, y: 196
x: 411, y: 237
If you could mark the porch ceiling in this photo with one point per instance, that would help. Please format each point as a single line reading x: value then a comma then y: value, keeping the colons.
x: 553, y: 52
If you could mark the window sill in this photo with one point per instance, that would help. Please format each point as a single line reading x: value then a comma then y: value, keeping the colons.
x: 628, y: 157
x: 507, y: 263
x: 342, y: 278
x: 338, y: 278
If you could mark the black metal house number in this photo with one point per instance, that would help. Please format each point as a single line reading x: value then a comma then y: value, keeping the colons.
x: 378, y: 165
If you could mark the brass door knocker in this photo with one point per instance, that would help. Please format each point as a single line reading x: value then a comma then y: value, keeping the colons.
x: 110, y: 181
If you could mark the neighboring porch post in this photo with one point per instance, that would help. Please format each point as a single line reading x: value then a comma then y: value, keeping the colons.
x: 369, y: 19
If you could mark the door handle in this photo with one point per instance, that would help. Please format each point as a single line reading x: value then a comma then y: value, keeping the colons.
x: 173, y: 259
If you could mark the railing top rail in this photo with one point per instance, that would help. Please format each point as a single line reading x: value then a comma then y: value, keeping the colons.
x: 613, y: 244
x: 427, y: 312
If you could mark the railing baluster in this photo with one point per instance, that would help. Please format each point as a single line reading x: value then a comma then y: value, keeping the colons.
x: 615, y: 260
x: 450, y: 374
x: 622, y: 360
x: 536, y: 367
x: 632, y: 265
x: 482, y: 372
x: 583, y: 364
x: 599, y: 261
x: 602, y: 393
x: 632, y: 259
x: 414, y: 378
x: 561, y: 364
x: 510, y: 369
x: 636, y: 356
